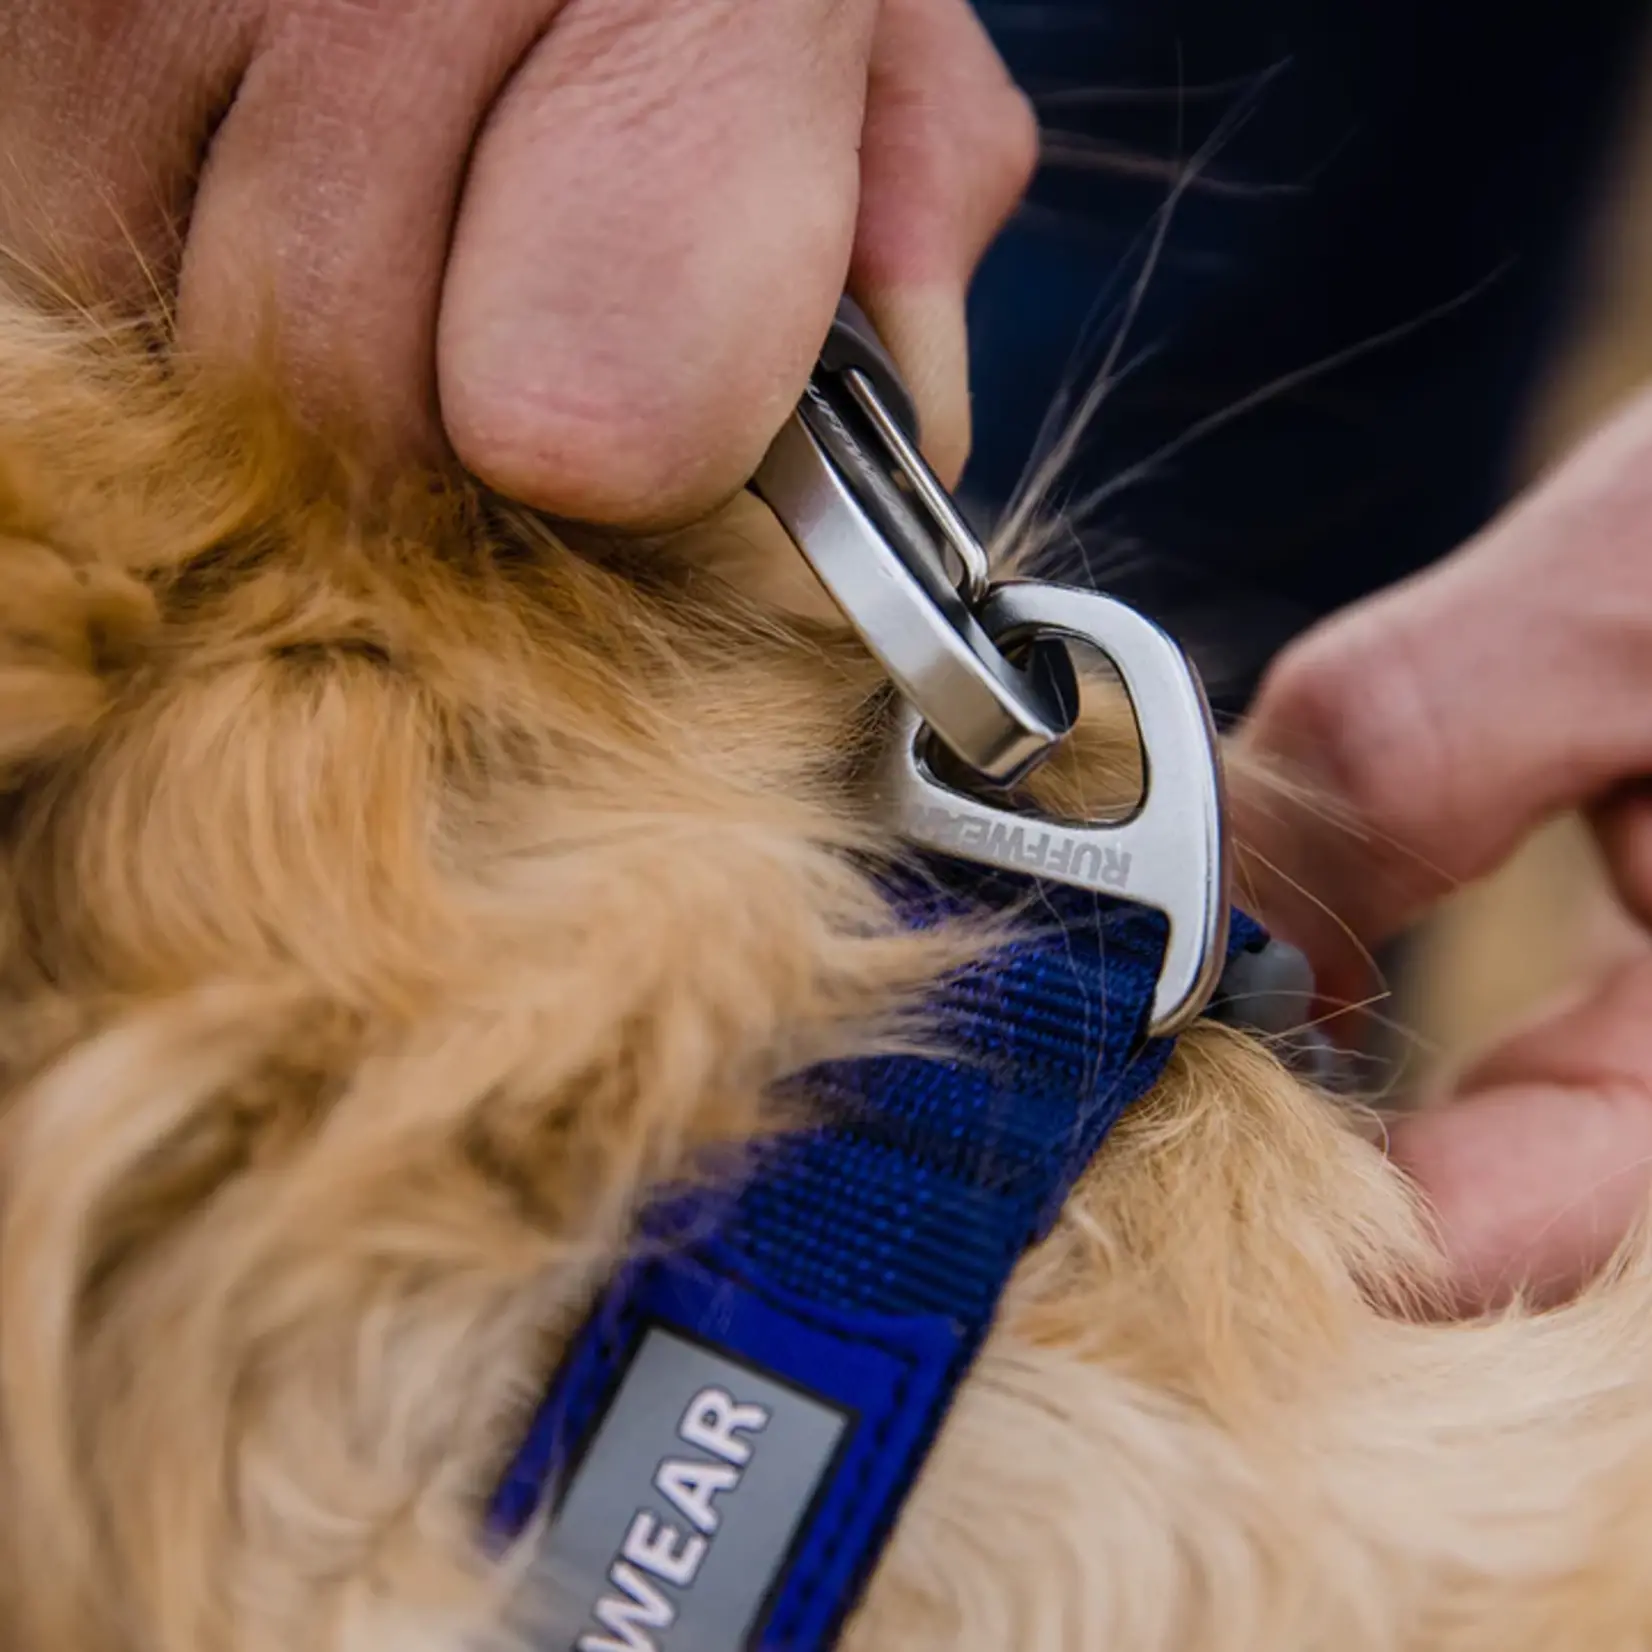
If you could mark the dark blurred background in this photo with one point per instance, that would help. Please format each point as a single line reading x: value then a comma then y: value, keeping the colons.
x: 1406, y: 182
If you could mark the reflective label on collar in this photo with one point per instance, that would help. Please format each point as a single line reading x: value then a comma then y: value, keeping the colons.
x: 679, y: 1519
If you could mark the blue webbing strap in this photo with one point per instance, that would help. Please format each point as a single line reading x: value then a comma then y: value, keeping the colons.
x: 730, y: 1437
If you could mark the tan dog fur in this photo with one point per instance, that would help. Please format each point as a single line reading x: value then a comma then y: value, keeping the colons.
x: 392, y: 893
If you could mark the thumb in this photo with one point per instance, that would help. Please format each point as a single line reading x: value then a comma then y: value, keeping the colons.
x: 1428, y: 730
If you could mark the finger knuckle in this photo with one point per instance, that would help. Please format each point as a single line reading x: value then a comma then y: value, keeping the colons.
x: 1350, y: 704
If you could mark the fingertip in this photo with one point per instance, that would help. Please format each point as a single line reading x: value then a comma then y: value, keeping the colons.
x: 950, y: 144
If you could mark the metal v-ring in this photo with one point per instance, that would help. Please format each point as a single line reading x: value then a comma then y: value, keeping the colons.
x: 1168, y: 853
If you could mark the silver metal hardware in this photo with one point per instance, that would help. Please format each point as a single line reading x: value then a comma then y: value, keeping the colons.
x: 1169, y: 853
x: 995, y: 717
x: 956, y: 534
x: 984, y: 669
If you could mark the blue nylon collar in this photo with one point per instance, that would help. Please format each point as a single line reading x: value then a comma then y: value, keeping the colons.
x: 730, y: 1438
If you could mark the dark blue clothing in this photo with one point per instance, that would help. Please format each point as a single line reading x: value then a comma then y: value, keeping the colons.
x: 1385, y: 160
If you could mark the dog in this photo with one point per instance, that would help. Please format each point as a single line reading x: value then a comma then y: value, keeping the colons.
x: 395, y: 892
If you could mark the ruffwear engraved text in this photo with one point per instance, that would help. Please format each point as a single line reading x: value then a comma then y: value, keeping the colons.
x: 1037, y: 848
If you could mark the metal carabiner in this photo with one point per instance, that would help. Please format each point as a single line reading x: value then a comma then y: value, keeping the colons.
x: 884, y: 538
x: 1169, y: 853
x: 985, y: 670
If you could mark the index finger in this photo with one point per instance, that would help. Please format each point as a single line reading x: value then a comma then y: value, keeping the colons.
x: 1435, y: 725
x: 655, y: 230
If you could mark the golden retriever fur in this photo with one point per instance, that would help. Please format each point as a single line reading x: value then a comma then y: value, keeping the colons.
x: 393, y: 892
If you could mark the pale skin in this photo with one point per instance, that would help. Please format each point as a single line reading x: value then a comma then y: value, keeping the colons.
x: 591, y: 248
x: 1444, y: 720
x: 592, y: 245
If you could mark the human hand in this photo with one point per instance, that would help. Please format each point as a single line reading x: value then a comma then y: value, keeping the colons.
x: 593, y: 244
x: 1439, y: 723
